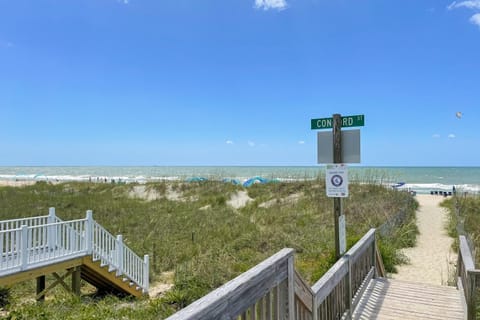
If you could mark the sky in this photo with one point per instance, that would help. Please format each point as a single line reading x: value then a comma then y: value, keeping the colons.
x: 237, y: 82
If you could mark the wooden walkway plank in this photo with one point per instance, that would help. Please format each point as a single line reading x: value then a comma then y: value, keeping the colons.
x: 395, y: 299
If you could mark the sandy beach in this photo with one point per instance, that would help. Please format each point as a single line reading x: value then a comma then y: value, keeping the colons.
x: 432, y: 260
x: 13, y: 183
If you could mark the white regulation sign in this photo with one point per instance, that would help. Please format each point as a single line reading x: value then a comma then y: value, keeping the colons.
x: 336, y: 180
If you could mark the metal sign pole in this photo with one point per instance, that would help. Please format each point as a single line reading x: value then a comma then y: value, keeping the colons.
x: 337, y: 158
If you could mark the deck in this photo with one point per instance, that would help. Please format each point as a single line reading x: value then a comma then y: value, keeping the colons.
x: 395, y: 299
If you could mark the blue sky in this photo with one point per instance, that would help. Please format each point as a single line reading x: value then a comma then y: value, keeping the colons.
x: 215, y: 82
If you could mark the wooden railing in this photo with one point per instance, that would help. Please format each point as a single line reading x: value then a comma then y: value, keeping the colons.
x: 468, y: 278
x: 264, y: 292
x: 274, y: 290
x: 337, y: 293
x: 40, y: 241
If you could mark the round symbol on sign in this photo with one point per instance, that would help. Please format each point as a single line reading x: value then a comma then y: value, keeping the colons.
x: 337, y: 180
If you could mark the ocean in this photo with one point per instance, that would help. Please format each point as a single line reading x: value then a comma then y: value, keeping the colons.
x: 419, y: 179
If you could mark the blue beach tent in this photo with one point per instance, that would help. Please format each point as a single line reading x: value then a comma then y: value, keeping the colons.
x: 232, y: 181
x: 254, y: 180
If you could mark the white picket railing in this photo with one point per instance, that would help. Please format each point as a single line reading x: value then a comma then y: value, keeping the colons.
x: 18, y: 223
x: 34, y: 242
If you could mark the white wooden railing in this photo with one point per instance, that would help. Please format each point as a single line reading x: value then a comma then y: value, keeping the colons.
x: 39, y: 241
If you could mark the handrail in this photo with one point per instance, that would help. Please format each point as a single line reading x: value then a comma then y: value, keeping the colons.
x: 111, y: 251
x: 256, y: 293
x: 338, y: 291
x: 18, y: 223
x: 48, y: 239
x: 303, y: 297
x: 265, y: 289
x: 26, y: 247
x: 467, y: 277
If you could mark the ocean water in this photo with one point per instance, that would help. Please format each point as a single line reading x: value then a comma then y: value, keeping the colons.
x: 420, y: 179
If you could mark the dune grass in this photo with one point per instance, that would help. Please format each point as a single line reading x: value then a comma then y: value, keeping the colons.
x: 466, y: 208
x: 202, y: 239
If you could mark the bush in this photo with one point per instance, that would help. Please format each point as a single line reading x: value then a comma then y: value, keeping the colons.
x: 4, y: 297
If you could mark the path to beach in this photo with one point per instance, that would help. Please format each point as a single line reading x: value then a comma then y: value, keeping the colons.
x: 432, y: 259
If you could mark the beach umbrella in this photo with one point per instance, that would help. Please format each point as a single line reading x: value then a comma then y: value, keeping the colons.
x: 459, y: 115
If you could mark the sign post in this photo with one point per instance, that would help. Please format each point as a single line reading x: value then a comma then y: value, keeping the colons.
x: 336, y: 177
x: 337, y: 158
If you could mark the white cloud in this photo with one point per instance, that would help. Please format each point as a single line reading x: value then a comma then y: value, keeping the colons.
x: 229, y: 142
x: 123, y: 1
x: 471, y: 4
x: 436, y: 136
x: 475, y: 19
x: 251, y: 143
x: 301, y: 142
x: 271, y: 4
x: 451, y: 136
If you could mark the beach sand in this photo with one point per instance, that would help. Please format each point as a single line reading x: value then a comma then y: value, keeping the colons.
x: 432, y: 260
x: 13, y: 183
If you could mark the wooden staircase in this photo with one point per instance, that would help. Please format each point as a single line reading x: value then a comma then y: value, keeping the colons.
x: 106, y: 280
x: 32, y: 248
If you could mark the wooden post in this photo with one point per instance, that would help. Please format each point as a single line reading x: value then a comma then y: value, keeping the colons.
x: 76, y: 280
x: 119, y: 254
x: 146, y: 275
x: 89, y: 232
x: 51, y: 229
x: 40, y: 288
x: 349, y: 293
x: 24, y: 247
x: 374, y: 256
x: 337, y: 158
x: 472, y: 295
x: 291, y: 288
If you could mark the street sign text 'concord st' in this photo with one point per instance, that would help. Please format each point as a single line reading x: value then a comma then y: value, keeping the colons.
x: 350, y: 121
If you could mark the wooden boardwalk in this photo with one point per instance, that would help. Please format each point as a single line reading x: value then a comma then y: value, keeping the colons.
x: 353, y: 288
x: 396, y: 299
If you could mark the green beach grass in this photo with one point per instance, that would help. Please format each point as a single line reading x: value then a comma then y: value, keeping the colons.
x: 466, y: 208
x: 189, y: 229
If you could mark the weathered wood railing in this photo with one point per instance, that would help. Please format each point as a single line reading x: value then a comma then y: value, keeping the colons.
x: 337, y: 293
x: 264, y: 292
x: 29, y: 243
x: 274, y: 290
x: 468, y: 278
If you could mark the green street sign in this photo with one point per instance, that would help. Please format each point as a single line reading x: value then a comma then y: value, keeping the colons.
x: 348, y: 121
